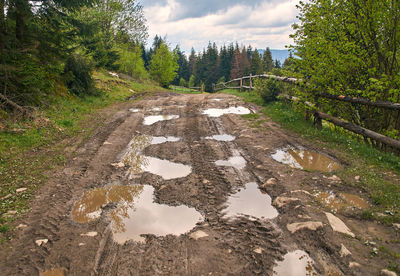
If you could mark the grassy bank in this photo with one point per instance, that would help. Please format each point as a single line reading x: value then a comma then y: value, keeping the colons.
x: 29, y: 149
x: 379, y: 171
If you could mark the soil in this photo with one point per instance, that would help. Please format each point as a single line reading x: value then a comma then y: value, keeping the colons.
x: 217, y: 245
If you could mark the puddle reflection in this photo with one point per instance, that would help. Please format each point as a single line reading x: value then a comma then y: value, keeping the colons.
x: 296, y: 263
x: 221, y: 138
x: 305, y: 159
x: 237, y: 162
x: 218, y: 112
x: 341, y: 201
x: 251, y: 202
x: 149, y: 120
x: 162, y: 140
x: 143, y: 216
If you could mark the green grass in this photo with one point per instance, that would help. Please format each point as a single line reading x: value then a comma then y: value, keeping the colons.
x: 372, y: 165
x: 26, y: 157
x: 181, y: 89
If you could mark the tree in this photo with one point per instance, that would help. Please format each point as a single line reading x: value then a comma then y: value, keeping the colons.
x: 256, y: 63
x: 183, y: 71
x: 236, y: 71
x: 192, y: 62
x: 267, y: 60
x: 244, y: 62
x: 132, y: 62
x: 277, y: 64
x: 164, y: 65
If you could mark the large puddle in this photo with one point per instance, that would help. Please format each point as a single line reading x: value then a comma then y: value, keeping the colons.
x: 236, y: 161
x: 305, y: 159
x: 341, y: 201
x: 90, y: 206
x: 296, y: 263
x: 149, y: 120
x: 218, y: 112
x: 139, y: 163
x: 142, y: 216
x: 249, y: 201
x: 221, y: 138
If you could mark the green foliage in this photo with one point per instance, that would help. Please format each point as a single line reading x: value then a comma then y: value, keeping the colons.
x: 78, y: 76
x: 191, y: 81
x: 132, y: 62
x: 256, y: 66
x: 268, y: 89
x: 182, y: 82
x: 163, y: 65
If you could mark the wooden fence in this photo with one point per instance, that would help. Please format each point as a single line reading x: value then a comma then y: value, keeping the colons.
x: 319, y: 115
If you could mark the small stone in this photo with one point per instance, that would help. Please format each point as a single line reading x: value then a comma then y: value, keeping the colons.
x: 21, y: 226
x: 41, y: 242
x: 357, y: 178
x: 281, y: 201
x: 304, y: 217
x: 375, y: 251
x: 385, y: 272
x: 118, y: 165
x: 89, y: 234
x: 82, y: 244
x: 396, y: 225
x: 338, y: 225
x: 311, y: 225
x: 344, y: 252
x: 6, y: 197
x: 198, y: 235
x: 258, y: 250
x: 229, y: 251
x: 20, y: 190
x: 205, y: 181
x: 260, y: 167
x: 354, y: 265
x: 334, y: 178
x: 107, y: 143
x: 300, y: 191
x: 269, y: 182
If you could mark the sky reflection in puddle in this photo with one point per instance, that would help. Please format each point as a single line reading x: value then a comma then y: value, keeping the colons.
x: 162, y: 140
x: 143, y: 216
x: 221, y: 138
x: 218, y: 112
x: 296, y: 263
x: 251, y: 202
x: 341, y: 201
x: 149, y: 120
x: 305, y: 159
x: 237, y: 162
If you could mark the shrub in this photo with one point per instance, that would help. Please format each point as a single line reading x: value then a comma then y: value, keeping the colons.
x: 268, y: 89
x: 77, y: 72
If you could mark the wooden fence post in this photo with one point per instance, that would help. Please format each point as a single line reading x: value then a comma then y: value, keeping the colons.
x: 251, y: 83
x: 241, y: 84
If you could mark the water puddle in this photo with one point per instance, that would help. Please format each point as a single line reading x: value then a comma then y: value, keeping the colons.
x: 296, y: 263
x: 218, y: 112
x: 134, y: 110
x: 249, y: 201
x: 305, y: 159
x: 54, y: 272
x: 139, y: 163
x: 222, y: 138
x: 143, y: 216
x: 89, y: 208
x: 157, y: 109
x: 149, y: 120
x: 236, y: 161
x: 341, y: 201
x: 217, y: 100
x: 162, y: 140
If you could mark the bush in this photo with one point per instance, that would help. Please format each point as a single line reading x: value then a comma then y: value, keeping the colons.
x: 78, y: 73
x: 182, y: 82
x: 268, y: 89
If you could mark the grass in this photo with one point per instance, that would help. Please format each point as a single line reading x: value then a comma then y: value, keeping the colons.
x: 378, y: 170
x: 32, y: 148
x: 181, y: 89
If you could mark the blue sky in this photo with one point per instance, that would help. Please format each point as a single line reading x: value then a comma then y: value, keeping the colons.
x: 260, y: 23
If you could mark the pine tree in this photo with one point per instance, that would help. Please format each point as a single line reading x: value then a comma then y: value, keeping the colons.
x: 256, y: 63
x: 267, y: 60
x: 244, y: 62
x: 236, y: 71
x: 192, y: 62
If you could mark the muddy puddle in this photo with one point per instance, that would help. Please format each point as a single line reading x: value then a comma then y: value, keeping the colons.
x: 157, y: 109
x: 90, y: 206
x: 161, y: 140
x: 340, y: 201
x: 218, y: 112
x: 237, y: 162
x: 139, y: 163
x: 149, y: 120
x: 296, y: 263
x: 306, y: 159
x: 54, y: 272
x: 134, y: 110
x: 221, y: 138
x: 249, y: 201
x: 142, y: 215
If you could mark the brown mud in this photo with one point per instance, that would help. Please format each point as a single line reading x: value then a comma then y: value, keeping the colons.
x: 71, y: 228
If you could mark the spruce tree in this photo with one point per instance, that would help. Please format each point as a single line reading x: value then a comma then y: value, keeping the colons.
x: 256, y: 63
x: 267, y: 60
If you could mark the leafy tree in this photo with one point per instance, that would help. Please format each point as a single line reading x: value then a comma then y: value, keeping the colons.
x: 132, y: 62
x: 164, y: 65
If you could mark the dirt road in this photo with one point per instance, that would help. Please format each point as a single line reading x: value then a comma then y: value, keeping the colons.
x: 159, y: 195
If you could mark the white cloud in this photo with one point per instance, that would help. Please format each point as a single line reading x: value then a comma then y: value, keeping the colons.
x: 264, y: 24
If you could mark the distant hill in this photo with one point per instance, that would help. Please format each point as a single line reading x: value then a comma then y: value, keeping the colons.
x: 280, y: 55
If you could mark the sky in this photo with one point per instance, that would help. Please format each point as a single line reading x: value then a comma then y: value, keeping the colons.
x: 259, y: 23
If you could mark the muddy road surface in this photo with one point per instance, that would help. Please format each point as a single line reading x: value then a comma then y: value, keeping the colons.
x: 183, y: 185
